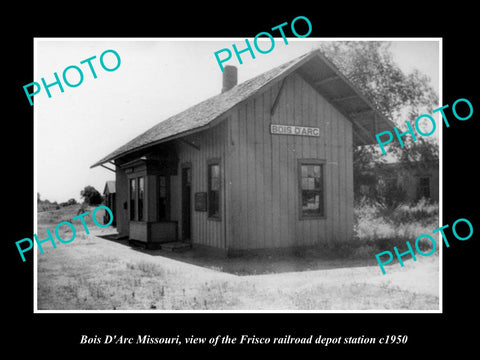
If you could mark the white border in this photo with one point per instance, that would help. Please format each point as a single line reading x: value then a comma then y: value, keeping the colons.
x: 35, y: 188
x: 440, y: 142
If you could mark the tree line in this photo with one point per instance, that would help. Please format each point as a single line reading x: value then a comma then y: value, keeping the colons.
x: 89, y: 194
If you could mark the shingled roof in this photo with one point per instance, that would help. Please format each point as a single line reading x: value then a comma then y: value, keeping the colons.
x: 323, y: 75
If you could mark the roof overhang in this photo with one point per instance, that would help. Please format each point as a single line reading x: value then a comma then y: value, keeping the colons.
x: 325, y: 77
x: 315, y: 68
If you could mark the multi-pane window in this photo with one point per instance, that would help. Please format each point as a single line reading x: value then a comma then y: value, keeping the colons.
x: 424, y: 187
x: 214, y: 190
x: 141, y: 196
x: 137, y: 196
x: 311, y: 189
x: 133, y: 183
x: 163, y: 199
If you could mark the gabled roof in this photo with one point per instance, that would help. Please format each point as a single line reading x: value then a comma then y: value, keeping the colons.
x: 109, y: 187
x: 314, y: 68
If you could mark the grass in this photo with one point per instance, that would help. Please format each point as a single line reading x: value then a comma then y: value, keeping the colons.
x: 379, y: 229
x: 372, y: 297
x: 95, y: 273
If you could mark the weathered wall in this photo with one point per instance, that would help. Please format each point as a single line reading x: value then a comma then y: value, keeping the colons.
x: 122, y: 197
x: 208, y: 144
x: 262, y: 170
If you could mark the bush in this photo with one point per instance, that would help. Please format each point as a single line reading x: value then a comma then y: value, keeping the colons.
x: 378, y: 228
x: 72, y: 202
x: 365, y: 251
x: 425, y: 245
x: 423, y: 211
x: 390, y: 195
x: 69, y: 202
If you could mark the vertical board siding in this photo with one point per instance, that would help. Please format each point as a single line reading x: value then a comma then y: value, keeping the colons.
x: 267, y: 169
x: 259, y: 169
x: 335, y: 177
x: 326, y: 115
x: 342, y: 169
x: 242, y: 180
x: 283, y: 171
x: 251, y: 190
x: 264, y: 212
x: 174, y: 198
x: 349, y: 178
x: 121, y: 184
x: 211, y: 144
x: 232, y: 153
x: 275, y: 240
x: 150, y: 193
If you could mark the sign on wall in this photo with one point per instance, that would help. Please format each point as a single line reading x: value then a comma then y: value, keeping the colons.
x: 294, y: 130
x: 201, y: 201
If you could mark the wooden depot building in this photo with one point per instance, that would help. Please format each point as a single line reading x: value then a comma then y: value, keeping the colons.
x: 267, y: 163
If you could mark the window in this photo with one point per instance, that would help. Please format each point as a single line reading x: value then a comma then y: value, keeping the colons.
x: 213, y: 197
x: 163, y: 198
x: 132, y: 198
x: 141, y: 196
x: 424, y: 188
x: 311, y: 189
x: 137, y: 196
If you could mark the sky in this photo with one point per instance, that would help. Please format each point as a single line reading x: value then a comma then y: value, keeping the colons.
x: 157, y: 78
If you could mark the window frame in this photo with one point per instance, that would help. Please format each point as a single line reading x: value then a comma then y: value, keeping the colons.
x: 132, y: 209
x: 306, y: 162
x: 210, y: 163
x: 136, y: 206
x: 140, y: 209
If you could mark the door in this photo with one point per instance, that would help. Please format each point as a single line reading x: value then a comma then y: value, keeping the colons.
x: 186, y: 203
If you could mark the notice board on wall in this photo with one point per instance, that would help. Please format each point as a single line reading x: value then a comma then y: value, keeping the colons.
x: 201, y: 201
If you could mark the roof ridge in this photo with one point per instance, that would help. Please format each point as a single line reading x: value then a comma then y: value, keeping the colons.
x: 198, y: 116
x: 240, y: 92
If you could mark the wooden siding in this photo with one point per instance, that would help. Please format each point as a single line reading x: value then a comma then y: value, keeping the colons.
x: 153, y: 232
x: 198, y: 149
x: 259, y: 202
x: 122, y: 197
x: 175, y: 205
x: 165, y: 231
x: 139, y: 231
x: 150, y: 201
x: 262, y: 169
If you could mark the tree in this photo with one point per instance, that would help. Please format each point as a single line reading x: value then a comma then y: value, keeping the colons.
x: 371, y: 68
x: 420, y: 154
x: 91, y: 196
x: 71, y: 201
x: 400, y: 97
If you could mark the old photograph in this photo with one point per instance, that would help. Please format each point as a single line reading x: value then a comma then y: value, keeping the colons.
x: 198, y: 176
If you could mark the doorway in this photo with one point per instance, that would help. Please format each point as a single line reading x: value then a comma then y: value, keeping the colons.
x: 186, y: 203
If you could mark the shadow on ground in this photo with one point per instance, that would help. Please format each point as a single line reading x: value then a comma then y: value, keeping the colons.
x: 294, y: 260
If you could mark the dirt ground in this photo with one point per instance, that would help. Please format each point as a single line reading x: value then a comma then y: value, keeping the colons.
x: 96, y: 272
